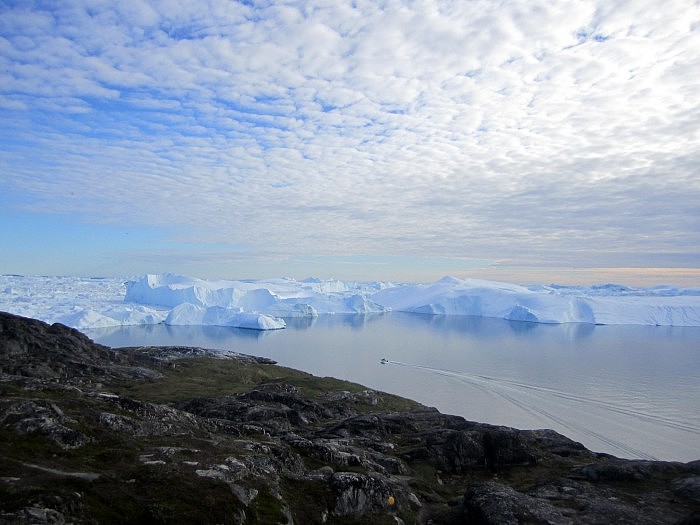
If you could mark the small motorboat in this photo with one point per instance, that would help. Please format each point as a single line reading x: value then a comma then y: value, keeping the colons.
x: 384, y: 361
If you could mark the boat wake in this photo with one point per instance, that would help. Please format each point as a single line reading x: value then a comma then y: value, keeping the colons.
x: 579, y: 410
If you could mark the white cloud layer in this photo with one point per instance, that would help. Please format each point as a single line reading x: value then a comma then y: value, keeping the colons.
x: 560, y: 132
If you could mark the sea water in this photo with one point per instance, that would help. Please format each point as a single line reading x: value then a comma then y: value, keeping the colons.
x: 631, y: 391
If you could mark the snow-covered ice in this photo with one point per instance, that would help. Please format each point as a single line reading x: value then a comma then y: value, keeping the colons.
x: 262, y: 304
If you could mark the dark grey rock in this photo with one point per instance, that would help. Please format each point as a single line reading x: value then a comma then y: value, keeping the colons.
x: 623, y: 470
x: 493, y: 503
x: 46, y: 419
x: 687, y: 487
x: 357, y: 494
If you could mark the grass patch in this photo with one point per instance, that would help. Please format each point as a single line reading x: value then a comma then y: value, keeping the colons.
x: 209, y: 377
x: 265, y: 508
x: 369, y: 519
x: 159, y: 495
x: 206, y: 377
x: 309, y: 499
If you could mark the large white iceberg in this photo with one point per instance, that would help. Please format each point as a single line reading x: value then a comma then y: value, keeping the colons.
x: 451, y: 296
x: 190, y: 314
x: 608, y: 304
x: 262, y: 304
x: 275, y: 297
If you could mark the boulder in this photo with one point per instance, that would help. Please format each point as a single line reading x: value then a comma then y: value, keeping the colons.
x: 494, y: 503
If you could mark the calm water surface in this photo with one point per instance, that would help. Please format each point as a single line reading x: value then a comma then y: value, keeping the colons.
x: 632, y: 391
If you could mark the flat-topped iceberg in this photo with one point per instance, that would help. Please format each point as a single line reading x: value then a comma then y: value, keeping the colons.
x: 276, y: 297
x: 263, y: 304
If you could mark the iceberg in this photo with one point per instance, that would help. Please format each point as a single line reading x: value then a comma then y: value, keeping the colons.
x: 473, y: 297
x: 275, y: 297
x: 190, y: 314
x: 173, y: 299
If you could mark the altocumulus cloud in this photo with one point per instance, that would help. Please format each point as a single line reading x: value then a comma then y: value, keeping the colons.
x: 565, y: 131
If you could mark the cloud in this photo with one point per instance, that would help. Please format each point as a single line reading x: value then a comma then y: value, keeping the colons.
x: 514, y: 130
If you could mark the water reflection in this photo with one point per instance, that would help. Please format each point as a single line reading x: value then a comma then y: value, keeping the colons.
x: 166, y: 335
x: 485, y: 327
x: 480, y: 328
x: 352, y: 321
x: 521, y: 327
x: 300, y: 323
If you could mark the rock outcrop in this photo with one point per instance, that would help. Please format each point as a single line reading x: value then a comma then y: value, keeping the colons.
x: 90, y: 434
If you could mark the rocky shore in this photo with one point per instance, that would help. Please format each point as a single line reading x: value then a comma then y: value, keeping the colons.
x: 90, y: 434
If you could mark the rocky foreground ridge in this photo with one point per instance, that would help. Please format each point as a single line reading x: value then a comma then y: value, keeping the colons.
x: 90, y: 434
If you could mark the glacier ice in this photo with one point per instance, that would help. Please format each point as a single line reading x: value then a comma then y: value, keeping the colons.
x: 263, y: 304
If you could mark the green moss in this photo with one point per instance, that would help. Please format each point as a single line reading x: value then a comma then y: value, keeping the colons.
x: 205, y: 377
x: 208, y: 377
x: 369, y: 519
x: 447, y: 515
x: 28, y: 448
x: 266, y: 509
x: 161, y: 495
x: 309, y: 500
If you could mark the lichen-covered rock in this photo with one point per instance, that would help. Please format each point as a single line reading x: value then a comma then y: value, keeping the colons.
x: 493, y: 503
x: 687, y: 487
x: 40, y: 516
x: 623, y: 470
x: 589, y: 503
x: 505, y: 447
x: 33, y: 349
x: 357, y: 494
x: 451, y: 450
x: 46, y: 419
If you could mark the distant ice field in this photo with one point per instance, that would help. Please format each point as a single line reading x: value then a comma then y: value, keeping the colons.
x: 265, y: 304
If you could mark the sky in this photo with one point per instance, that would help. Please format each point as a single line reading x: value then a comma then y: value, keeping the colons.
x: 524, y: 141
